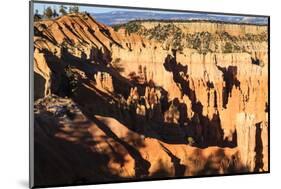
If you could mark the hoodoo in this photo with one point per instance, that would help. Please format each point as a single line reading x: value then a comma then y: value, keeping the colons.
x: 148, y: 99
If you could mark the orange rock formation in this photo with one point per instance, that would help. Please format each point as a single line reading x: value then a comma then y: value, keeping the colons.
x: 151, y: 108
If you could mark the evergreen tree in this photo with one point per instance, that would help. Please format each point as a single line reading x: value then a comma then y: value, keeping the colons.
x: 73, y: 9
x: 36, y: 15
x: 62, y: 10
x: 48, y: 12
x: 55, y: 14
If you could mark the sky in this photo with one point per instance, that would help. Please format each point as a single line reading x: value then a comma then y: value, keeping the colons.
x: 92, y: 9
x: 184, y: 15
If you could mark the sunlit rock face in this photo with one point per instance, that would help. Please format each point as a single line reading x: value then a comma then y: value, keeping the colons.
x: 189, y: 100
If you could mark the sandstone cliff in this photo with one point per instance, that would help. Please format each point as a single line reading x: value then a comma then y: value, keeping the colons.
x: 153, y: 105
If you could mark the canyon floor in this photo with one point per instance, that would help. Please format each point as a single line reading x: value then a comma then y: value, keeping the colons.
x: 148, y: 99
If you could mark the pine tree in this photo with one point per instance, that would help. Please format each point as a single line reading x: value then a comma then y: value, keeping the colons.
x: 55, y: 14
x: 48, y: 12
x: 62, y: 10
x: 36, y: 15
x: 74, y: 9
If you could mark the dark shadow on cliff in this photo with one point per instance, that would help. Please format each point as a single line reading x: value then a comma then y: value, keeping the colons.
x: 95, y: 102
x: 179, y: 76
x: 161, y: 172
x: 39, y: 31
x: 58, y: 66
x: 101, y: 64
x: 205, y: 131
x: 39, y: 86
x: 219, y: 163
x: 58, y: 161
x: 256, y: 61
x: 179, y: 168
x: 141, y: 165
x: 258, y: 149
x: 230, y: 79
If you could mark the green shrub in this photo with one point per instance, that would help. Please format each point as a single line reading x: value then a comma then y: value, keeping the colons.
x: 190, y: 141
x: 72, y: 81
x: 228, y: 48
x: 132, y: 27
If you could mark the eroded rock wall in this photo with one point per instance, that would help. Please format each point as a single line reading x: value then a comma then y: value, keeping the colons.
x: 218, y: 98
